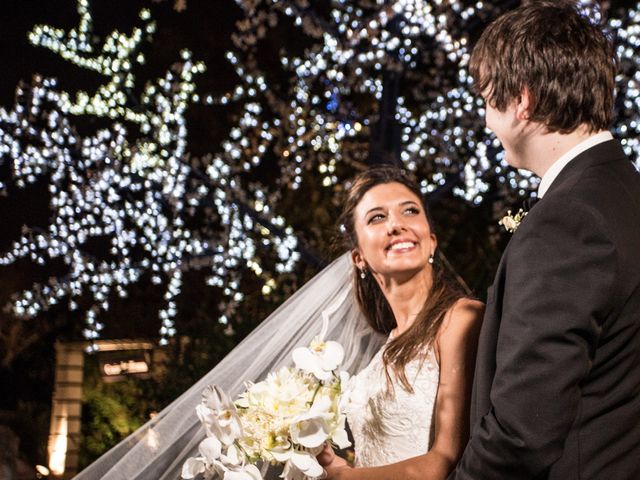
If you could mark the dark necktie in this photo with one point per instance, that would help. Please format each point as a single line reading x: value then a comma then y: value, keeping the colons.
x: 529, y: 203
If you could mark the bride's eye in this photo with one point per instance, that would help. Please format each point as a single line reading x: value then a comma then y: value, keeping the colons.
x: 412, y: 211
x: 375, y: 218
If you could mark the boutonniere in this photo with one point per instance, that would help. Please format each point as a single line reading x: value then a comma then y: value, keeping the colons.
x: 511, y: 222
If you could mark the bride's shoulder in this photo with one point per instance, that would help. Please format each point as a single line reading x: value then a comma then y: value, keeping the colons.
x: 466, y: 307
x: 461, y: 320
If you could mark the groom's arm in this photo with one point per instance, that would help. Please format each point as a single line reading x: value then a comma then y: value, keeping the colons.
x: 560, y: 274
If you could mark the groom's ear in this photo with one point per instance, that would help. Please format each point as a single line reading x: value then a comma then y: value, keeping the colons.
x: 524, y: 104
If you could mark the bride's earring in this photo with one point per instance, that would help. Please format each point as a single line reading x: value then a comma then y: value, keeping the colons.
x: 363, y: 274
x: 431, y: 259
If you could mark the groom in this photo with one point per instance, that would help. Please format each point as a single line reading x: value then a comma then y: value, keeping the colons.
x: 557, y: 385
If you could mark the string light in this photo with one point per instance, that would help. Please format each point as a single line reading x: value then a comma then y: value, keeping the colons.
x: 144, y: 194
x: 140, y: 195
x: 441, y: 120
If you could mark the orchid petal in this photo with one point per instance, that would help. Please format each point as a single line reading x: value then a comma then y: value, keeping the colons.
x: 331, y: 356
x: 253, y: 471
x: 341, y: 439
x: 306, y: 463
x: 249, y: 472
x: 287, y: 471
x: 304, y: 359
x: 321, y: 406
x: 210, y: 448
x: 204, y: 413
x: 233, y: 456
x: 215, y: 398
x: 281, y: 455
x: 193, y: 467
x: 310, y: 433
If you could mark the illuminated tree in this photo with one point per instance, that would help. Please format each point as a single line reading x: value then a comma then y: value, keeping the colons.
x: 323, y: 89
x: 124, y: 201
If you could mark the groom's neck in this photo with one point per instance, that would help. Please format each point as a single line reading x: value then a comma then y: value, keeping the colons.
x: 545, y: 148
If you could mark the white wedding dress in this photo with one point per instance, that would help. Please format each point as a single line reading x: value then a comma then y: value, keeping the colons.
x: 390, y: 427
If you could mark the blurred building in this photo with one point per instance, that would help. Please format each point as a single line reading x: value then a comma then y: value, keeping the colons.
x: 117, y: 359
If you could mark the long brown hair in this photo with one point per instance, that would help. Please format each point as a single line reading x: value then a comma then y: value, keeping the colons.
x: 442, y: 295
x: 567, y: 63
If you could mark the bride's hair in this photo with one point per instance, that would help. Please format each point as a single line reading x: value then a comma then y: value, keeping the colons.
x: 443, y: 294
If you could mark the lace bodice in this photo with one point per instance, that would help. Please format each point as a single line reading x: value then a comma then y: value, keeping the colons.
x: 386, y: 427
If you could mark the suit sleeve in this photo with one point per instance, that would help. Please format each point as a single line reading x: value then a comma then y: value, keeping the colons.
x: 560, y: 274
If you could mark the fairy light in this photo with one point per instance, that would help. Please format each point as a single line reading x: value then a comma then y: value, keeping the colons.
x: 441, y: 120
x: 142, y: 194
x: 626, y: 35
x: 440, y: 133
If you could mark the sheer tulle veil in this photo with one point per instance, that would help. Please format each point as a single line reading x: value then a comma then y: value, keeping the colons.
x: 159, y: 448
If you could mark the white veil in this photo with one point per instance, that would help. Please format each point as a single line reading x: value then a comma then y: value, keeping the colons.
x: 158, y: 449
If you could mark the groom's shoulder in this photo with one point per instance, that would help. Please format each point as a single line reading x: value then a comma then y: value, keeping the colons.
x: 600, y: 193
x: 605, y: 175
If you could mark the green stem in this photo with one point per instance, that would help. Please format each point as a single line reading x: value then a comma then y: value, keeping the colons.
x: 313, y: 399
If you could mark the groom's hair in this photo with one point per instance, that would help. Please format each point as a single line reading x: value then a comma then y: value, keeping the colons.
x: 566, y: 62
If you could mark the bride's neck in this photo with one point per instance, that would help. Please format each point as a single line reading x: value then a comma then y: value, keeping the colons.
x: 406, y: 298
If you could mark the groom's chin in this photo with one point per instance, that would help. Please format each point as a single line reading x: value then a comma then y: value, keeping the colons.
x: 514, y: 160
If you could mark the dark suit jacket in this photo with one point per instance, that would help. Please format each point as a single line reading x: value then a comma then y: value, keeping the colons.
x: 557, y: 386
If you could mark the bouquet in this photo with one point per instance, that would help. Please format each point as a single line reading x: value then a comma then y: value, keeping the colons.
x: 285, y: 419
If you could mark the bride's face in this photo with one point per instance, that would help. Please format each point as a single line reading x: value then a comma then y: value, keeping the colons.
x: 393, y: 233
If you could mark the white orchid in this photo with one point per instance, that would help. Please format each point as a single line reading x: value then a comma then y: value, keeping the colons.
x: 210, y: 450
x: 322, y: 357
x: 233, y: 457
x: 311, y: 428
x: 299, y: 464
x: 339, y: 433
x: 232, y: 466
x: 246, y: 472
x: 219, y: 415
x: 320, y: 423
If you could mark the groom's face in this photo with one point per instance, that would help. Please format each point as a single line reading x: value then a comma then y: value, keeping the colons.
x: 503, y: 125
x: 512, y: 128
x: 393, y: 233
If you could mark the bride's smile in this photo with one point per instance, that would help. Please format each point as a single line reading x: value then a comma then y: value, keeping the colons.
x: 401, y: 246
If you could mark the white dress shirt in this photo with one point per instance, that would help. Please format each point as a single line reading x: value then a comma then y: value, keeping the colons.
x: 558, y: 165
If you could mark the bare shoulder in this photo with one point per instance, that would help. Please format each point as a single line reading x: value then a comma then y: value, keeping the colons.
x: 467, y: 307
x: 463, y: 319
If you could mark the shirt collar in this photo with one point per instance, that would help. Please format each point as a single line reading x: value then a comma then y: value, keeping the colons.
x: 558, y: 165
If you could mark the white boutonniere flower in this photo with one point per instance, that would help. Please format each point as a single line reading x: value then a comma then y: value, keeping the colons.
x: 511, y: 222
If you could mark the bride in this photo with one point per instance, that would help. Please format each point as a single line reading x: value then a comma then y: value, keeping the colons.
x: 408, y: 408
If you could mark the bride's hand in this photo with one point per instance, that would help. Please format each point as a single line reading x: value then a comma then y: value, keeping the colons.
x: 334, y: 465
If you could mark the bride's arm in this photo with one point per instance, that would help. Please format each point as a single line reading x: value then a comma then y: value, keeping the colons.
x: 456, y: 346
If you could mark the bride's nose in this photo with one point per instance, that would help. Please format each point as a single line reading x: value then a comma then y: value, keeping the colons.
x: 394, y: 226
